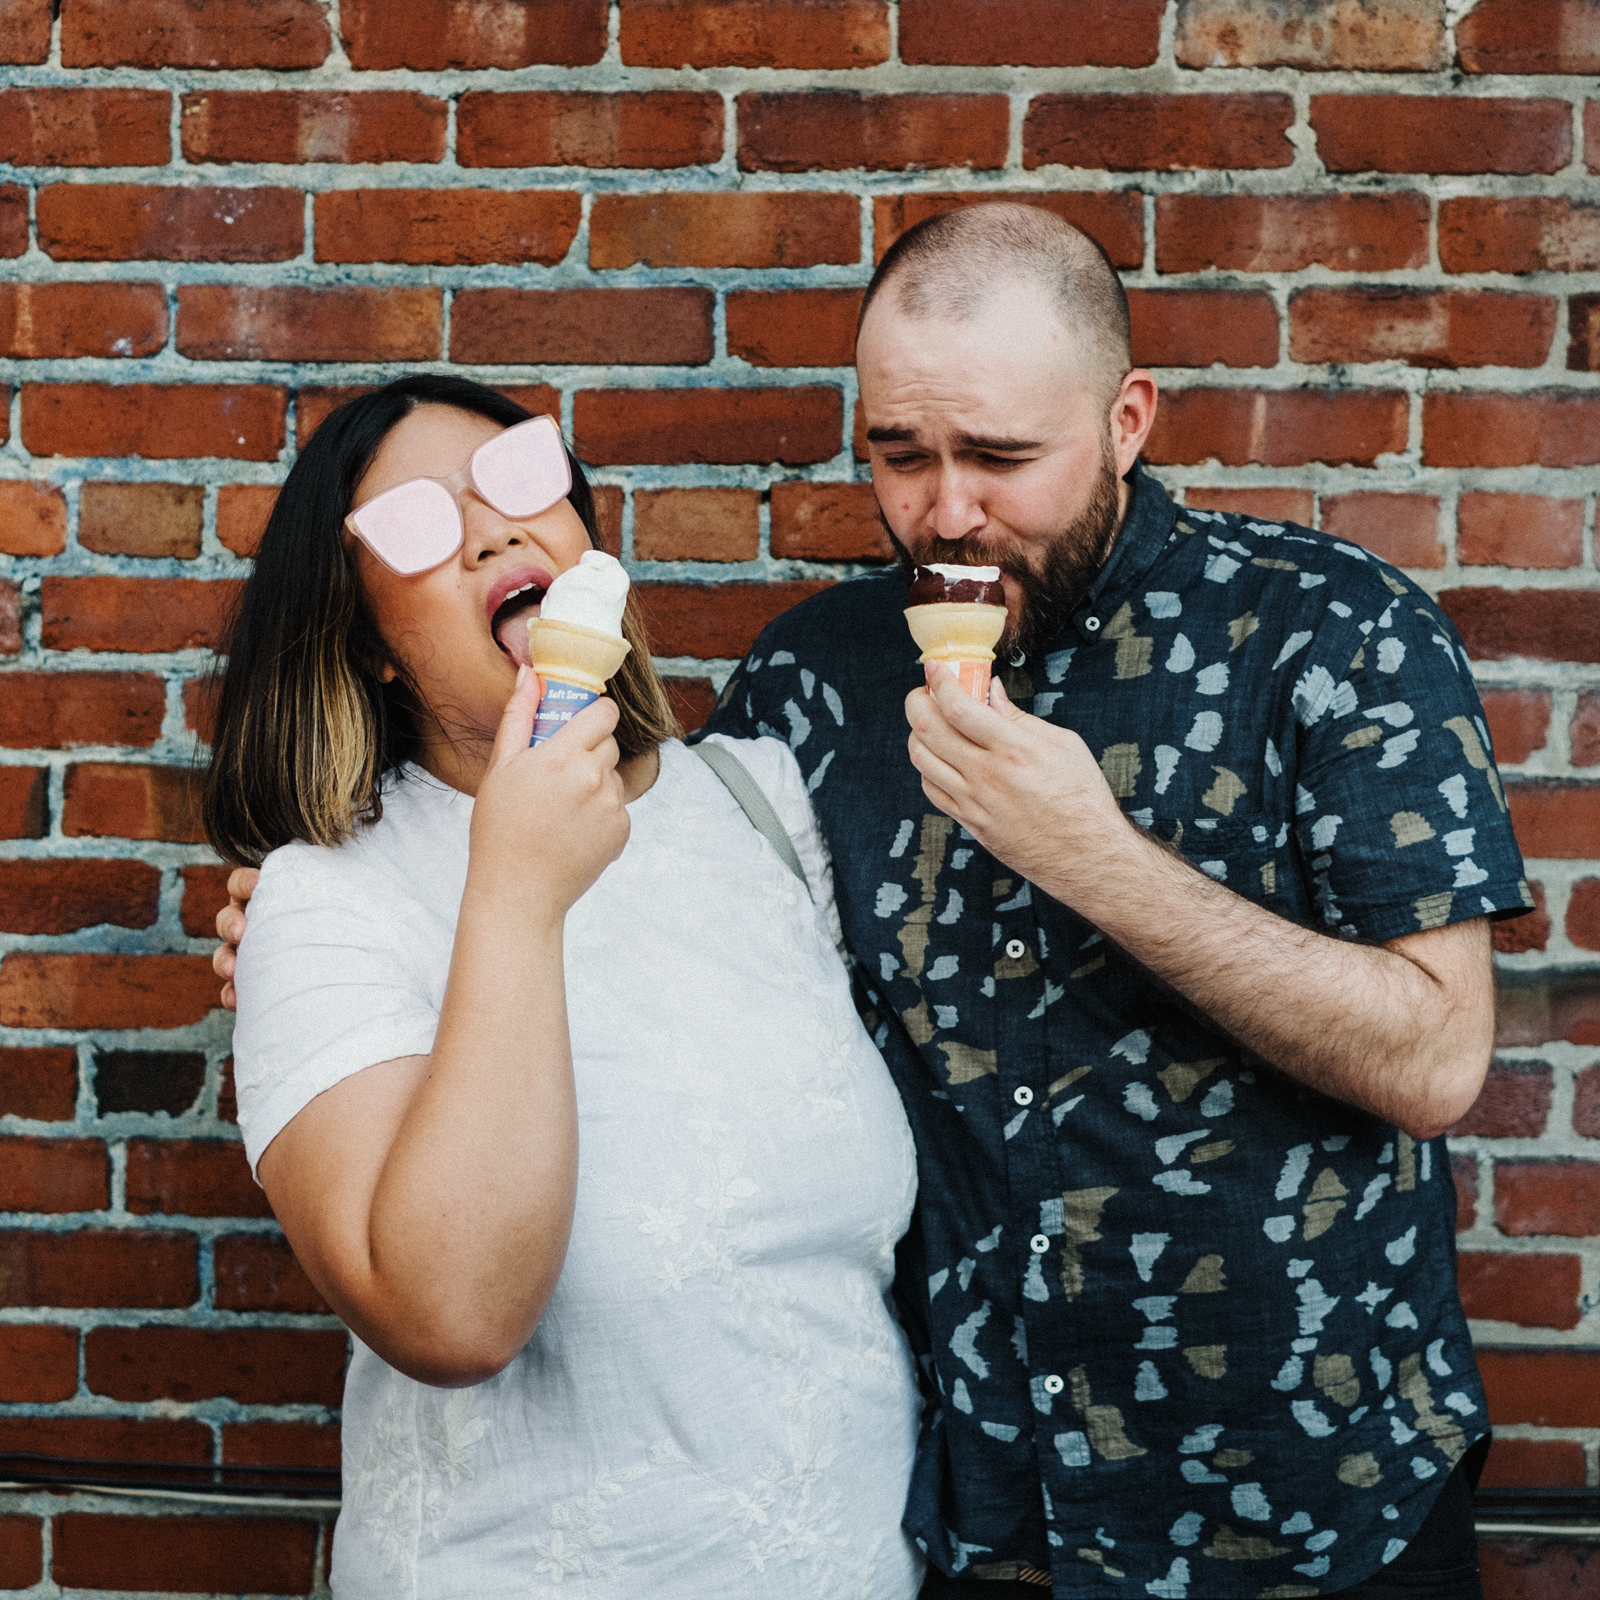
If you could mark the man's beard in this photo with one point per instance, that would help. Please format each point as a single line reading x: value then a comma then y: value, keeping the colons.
x: 1067, y: 566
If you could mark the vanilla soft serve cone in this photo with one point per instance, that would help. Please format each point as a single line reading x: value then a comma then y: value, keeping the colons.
x: 575, y: 643
x: 957, y: 615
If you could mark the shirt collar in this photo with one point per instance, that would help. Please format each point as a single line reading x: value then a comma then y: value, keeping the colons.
x: 1145, y: 531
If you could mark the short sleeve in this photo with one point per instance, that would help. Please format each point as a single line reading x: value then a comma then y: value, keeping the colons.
x: 325, y: 989
x: 1399, y: 810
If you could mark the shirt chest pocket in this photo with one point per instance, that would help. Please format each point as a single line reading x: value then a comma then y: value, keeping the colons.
x: 1254, y: 855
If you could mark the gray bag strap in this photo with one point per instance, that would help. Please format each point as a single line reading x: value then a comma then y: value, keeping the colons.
x: 755, y: 805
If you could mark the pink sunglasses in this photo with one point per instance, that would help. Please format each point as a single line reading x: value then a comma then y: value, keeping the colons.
x: 417, y: 524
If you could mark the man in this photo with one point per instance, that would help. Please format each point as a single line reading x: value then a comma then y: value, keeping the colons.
x: 1182, y: 952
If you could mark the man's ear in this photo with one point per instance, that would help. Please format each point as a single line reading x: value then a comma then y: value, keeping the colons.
x: 1133, y: 414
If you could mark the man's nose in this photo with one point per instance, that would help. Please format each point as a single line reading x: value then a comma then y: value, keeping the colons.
x: 957, y: 505
x: 486, y: 532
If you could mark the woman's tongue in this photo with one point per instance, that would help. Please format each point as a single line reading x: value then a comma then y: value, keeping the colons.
x: 511, y: 628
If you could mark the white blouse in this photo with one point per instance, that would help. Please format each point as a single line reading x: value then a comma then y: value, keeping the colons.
x: 718, y: 1400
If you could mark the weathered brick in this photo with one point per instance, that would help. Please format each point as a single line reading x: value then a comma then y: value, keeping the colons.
x: 228, y: 1096
x: 255, y: 1366
x: 21, y: 1551
x: 1030, y: 33
x: 450, y: 35
x: 25, y: 32
x: 696, y: 524
x: 793, y: 327
x: 313, y: 406
x: 90, y: 990
x: 279, y: 34
x: 1114, y: 220
x: 1584, y: 731
x: 1555, y: 821
x: 1514, y: 1104
x: 85, y: 127
x: 1519, y: 722
x: 54, y: 1175
x: 582, y: 327
x: 192, y: 1178
x: 54, y: 897
x: 839, y: 130
x: 280, y: 1444
x: 1540, y: 624
x: 445, y: 227
x: 1530, y: 931
x: 98, y: 1267
x: 1534, y: 1463
x: 1583, y: 324
x: 724, y: 230
x: 296, y: 125
x: 1269, y: 505
x: 1583, y: 914
x: 546, y: 129
x: 13, y: 220
x: 205, y: 893
x: 142, y: 222
x: 1422, y: 327
x: 1286, y: 233
x: 148, y: 1081
x: 813, y: 35
x: 136, y: 614
x: 1278, y: 428
x: 1160, y: 132
x: 1518, y: 530
x: 1586, y: 1103
x: 1402, y: 528
x: 1529, y: 233
x: 40, y: 1084
x: 692, y: 699
x: 795, y: 426
x: 1547, y: 1388
x: 160, y: 421
x: 1547, y: 1197
x: 138, y: 1445
x: 1532, y: 1291
x: 10, y: 619
x: 24, y: 802
x: 1529, y: 36
x: 1440, y: 133
x: 1562, y: 1008
x: 828, y: 522
x: 184, y: 1554
x: 1548, y: 428
x: 1197, y: 327
x: 1330, y: 36
x: 123, y: 801
x: 33, y: 519
x: 258, y: 1272
x: 1591, y: 135
x: 141, y: 519
x: 242, y: 512
x: 200, y: 697
x: 38, y: 1364
x: 220, y: 322
x: 45, y: 320
x: 61, y: 710
x: 1464, y: 1174
x: 711, y: 620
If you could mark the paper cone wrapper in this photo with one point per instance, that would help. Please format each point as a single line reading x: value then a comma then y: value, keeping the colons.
x: 575, y: 663
x: 962, y: 634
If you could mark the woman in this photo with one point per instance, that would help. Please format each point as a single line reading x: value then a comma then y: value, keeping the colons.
x: 548, y: 1066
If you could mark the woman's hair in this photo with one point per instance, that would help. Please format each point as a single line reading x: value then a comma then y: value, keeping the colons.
x: 306, y: 727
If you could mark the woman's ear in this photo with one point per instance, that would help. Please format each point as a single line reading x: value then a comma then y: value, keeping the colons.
x: 387, y: 673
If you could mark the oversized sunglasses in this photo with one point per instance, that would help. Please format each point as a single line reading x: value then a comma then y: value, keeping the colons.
x: 417, y: 524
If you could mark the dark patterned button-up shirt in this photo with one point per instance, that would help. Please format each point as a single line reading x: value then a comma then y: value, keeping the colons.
x: 1190, y: 1328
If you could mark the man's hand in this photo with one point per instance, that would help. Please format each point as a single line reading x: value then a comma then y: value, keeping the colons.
x: 242, y: 883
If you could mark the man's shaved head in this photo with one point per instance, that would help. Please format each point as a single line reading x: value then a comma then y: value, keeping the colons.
x: 951, y: 266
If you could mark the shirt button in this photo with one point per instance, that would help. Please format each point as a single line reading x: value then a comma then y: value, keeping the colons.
x: 1023, y: 1096
x: 1092, y: 624
x: 1054, y: 1384
x: 1039, y: 1243
x: 1016, y: 949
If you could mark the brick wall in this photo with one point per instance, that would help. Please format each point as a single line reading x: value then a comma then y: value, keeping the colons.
x: 1363, y: 250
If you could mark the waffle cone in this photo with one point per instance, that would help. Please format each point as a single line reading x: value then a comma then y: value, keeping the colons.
x: 956, y: 630
x: 572, y: 654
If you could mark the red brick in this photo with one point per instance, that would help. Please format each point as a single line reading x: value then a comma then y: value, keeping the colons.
x: 446, y: 35
x: 582, y: 327
x: 809, y: 34
x: 258, y: 1272
x: 1278, y: 428
x: 44, y: 320
x: 828, y: 522
x: 1529, y: 931
x: 61, y: 710
x: 98, y: 1268
x: 138, y: 614
x: 1514, y: 1104
x: 1586, y: 1103
x: 38, y: 1365
x: 242, y: 512
x: 1519, y: 530
x: 1160, y: 132
x: 836, y: 131
x: 122, y: 801
x: 255, y: 1366
x: 10, y: 619
x: 1534, y: 1463
x: 105, y: 991
x: 1030, y: 33
x: 1440, y: 133
x: 13, y: 219
x: 1591, y: 135
x: 200, y: 697
x: 1584, y: 732
x: 724, y: 230
x: 24, y: 802
x: 1539, y: 624
x: 122, y: 1439
x: 1114, y: 220
x: 54, y: 897
x: 608, y: 516
x: 54, y: 1175
x: 693, y: 700
x: 313, y: 406
x: 1464, y: 1173
x: 21, y: 1551
x: 1533, y: 1291
x: 1196, y: 327
x: 184, y: 1554
x: 1519, y: 722
x: 40, y: 1084
x: 1526, y: 234
x: 1547, y: 1388
x: 1344, y: 36
x: 220, y: 322
x: 280, y: 1444
x: 708, y: 620
x: 192, y: 1178
x: 1422, y: 327
x: 142, y: 519
x: 544, y: 129
x: 205, y: 893
x: 795, y: 426
x: 696, y: 524
x: 793, y: 327
x: 292, y: 126
x: 1285, y: 233
x: 1528, y: 36
x: 25, y: 32
x: 1563, y: 1008
x: 85, y: 127
x: 227, y: 1096
x: 1401, y: 528
x: 445, y: 227
x: 1555, y: 821
x: 243, y: 422
x: 1583, y: 914
x: 1583, y: 323
x: 140, y: 222
x: 1266, y: 505
x: 33, y: 519
x: 1547, y: 1197
x: 1548, y: 427
x: 183, y: 33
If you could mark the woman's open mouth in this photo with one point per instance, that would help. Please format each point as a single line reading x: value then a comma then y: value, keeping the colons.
x: 511, y: 604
